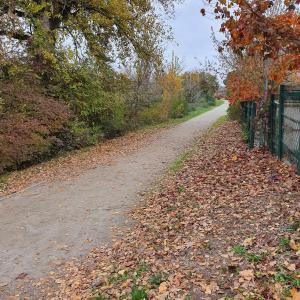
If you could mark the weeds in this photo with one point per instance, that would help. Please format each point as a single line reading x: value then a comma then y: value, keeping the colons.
x: 290, y: 279
x: 155, y: 280
x: 138, y: 293
x: 142, y: 268
x: 251, y: 257
x: 294, y: 227
x: 119, y: 278
x: 179, y: 162
x: 239, y: 250
x: 99, y: 297
x: 181, y: 189
x: 284, y: 244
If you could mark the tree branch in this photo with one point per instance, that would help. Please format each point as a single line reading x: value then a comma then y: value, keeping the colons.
x: 16, y: 35
x: 16, y: 12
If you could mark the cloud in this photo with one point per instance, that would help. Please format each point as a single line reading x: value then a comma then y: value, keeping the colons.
x: 192, y: 31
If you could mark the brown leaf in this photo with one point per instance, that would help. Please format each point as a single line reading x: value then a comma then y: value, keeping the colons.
x: 247, y: 274
x: 294, y: 246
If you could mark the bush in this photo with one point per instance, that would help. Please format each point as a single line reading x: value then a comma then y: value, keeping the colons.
x: 201, y: 102
x: 82, y: 135
x: 30, y: 126
x: 151, y: 115
x: 211, y: 101
x: 104, y: 113
x: 179, y: 109
x: 235, y: 111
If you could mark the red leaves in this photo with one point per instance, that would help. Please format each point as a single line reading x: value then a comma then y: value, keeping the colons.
x: 31, y: 128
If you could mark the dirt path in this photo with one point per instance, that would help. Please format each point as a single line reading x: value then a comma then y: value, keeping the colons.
x: 48, y: 223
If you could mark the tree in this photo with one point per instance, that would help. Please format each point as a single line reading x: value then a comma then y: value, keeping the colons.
x: 40, y: 29
x: 60, y: 81
x: 199, y: 85
x: 143, y: 87
x: 171, y: 83
x: 263, y: 29
x: 252, y: 29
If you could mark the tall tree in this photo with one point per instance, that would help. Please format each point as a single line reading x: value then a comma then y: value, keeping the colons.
x: 36, y: 29
x: 264, y: 28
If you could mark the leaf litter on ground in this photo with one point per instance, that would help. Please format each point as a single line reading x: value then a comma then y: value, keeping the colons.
x: 76, y: 162
x: 233, y: 232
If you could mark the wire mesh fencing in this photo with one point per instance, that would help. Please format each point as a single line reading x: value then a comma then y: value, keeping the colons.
x: 284, y: 124
x: 249, y: 113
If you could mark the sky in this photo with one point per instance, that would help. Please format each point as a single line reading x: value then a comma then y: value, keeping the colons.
x: 192, y: 41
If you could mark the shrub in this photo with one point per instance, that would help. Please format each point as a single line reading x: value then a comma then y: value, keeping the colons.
x: 179, y: 108
x: 30, y: 126
x: 235, y: 111
x: 104, y: 113
x: 82, y: 135
x: 151, y: 115
x: 211, y: 100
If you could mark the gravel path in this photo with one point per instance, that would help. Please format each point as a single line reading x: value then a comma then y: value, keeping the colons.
x: 45, y: 224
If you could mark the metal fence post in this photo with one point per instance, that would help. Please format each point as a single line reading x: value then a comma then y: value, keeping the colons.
x: 281, y: 112
x: 252, y: 127
x: 298, y: 158
x: 271, y: 124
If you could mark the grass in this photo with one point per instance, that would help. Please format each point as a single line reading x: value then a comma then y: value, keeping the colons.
x: 138, y: 293
x: 251, y: 257
x: 179, y: 162
x: 155, y: 280
x: 294, y: 227
x: 119, y: 278
x: 181, y: 189
x: 239, y: 250
x: 141, y: 269
x: 284, y: 244
x: 99, y: 297
x: 200, y: 111
x: 189, y: 116
x: 288, y: 278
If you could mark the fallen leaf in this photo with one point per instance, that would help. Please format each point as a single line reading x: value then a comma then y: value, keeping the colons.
x: 162, y: 287
x: 294, y: 246
x: 234, y: 157
x: 247, y: 274
x: 295, y: 294
x: 248, y: 242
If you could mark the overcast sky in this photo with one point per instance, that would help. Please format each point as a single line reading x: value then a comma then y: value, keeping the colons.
x: 192, y: 34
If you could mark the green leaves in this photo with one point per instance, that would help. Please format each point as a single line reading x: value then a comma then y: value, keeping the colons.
x: 240, y: 250
x: 138, y: 293
x: 103, y: 29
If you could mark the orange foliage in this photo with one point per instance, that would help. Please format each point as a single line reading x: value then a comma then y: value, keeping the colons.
x: 283, y: 66
x: 240, y: 88
x: 172, y: 85
x: 253, y: 29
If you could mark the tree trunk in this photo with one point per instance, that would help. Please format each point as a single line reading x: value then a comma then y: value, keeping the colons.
x: 263, y: 109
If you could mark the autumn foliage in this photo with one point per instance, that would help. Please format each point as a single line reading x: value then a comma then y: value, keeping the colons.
x: 33, y: 129
x: 266, y: 29
x: 240, y: 88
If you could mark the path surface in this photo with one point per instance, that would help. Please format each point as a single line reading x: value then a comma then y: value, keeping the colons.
x: 48, y: 223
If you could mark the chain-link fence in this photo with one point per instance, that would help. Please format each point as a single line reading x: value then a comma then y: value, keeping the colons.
x: 284, y: 124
